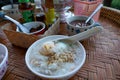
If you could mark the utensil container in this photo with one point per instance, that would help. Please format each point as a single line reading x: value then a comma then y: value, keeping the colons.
x: 25, y: 40
x: 85, y: 8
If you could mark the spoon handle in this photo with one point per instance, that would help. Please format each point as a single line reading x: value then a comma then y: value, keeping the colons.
x: 17, y: 23
x: 94, y: 13
x: 86, y: 34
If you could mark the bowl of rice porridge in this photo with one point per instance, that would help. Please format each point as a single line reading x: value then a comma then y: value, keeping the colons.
x: 49, y: 59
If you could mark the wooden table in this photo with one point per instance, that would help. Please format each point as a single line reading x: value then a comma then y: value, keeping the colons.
x: 102, y: 60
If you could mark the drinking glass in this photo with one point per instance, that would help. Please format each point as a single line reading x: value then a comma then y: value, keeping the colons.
x: 62, y: 8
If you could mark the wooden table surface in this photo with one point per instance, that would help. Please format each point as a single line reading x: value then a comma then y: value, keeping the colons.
x: 102, y: 60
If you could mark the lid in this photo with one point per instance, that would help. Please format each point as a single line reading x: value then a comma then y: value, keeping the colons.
x: 23, y: 1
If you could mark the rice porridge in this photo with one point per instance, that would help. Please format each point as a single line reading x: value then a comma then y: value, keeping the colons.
x: 55, y: 58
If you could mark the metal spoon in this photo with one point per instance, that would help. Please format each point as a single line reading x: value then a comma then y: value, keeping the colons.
x: 82, y: 35
x: 95, y: 11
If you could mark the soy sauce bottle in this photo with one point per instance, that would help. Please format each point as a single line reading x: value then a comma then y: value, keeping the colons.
x: 27, y: 10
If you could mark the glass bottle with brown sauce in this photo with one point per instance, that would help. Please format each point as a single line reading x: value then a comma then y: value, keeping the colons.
x: 39, y: 11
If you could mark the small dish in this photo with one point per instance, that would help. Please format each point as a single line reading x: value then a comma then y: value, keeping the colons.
x: 12, y: 12
x: 35, y: 28
x: 3, y: 60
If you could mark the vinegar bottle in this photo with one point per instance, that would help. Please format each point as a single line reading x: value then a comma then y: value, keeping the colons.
x: 49, y: 12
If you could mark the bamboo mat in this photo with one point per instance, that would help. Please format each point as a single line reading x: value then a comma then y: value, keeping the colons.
x: 103, y: 54
x: 102, y: 61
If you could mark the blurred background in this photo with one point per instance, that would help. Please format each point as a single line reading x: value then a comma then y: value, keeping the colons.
x: 112, y: 3
x: 109, y: 3
x: 5, y: 2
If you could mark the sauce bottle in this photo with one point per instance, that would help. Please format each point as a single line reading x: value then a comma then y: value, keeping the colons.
x: 49, y: 12
x: 27, y: 10
x: 39, y: 13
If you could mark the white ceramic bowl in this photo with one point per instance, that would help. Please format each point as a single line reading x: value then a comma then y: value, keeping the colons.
x: 38, y: 43
x: 72, y: 30
x: 34, y: 24
x: 3, y: 60
x: 12, y: 12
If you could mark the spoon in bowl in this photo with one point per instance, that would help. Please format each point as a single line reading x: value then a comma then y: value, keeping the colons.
x: 94, y: 12
x: 19, y: 25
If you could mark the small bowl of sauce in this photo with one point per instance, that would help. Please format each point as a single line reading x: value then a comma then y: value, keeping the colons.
x: 80, y: 23
x: 35, y: 27
x: 76, y: 24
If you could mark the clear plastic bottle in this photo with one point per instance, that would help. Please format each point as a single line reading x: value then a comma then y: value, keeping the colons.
x: 62, y: 9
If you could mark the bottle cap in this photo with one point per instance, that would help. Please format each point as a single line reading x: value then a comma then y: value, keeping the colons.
x: 23, y: 1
